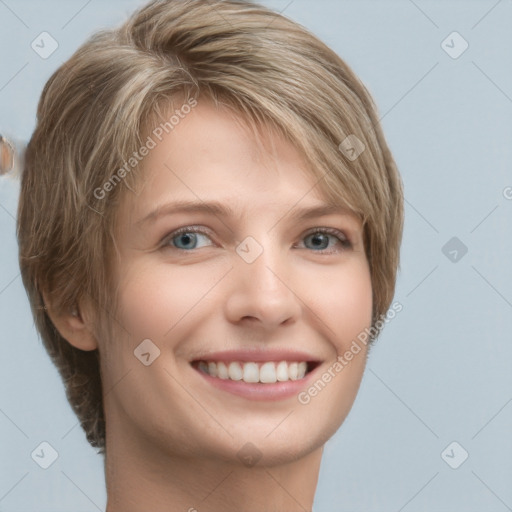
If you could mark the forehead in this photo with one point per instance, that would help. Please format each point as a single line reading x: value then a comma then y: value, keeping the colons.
x: 213, y: 152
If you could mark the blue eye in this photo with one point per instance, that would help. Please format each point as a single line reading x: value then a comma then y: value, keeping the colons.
x: 321, y: 237
x: 187, y: 238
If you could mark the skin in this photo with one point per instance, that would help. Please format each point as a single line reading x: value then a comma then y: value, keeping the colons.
x: 6, y: 156
x: 173, y: 438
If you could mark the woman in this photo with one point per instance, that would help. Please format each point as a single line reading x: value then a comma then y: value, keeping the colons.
x: 209, y: 227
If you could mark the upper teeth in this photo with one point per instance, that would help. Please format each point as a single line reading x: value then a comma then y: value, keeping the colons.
x: 252, y: 372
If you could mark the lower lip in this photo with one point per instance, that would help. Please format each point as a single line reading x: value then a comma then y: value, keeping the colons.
x: 258, y: 391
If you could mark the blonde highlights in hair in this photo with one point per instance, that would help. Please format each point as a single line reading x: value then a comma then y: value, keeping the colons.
x: 99, y: 107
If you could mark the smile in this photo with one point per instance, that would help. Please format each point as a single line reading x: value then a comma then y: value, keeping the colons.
x: 253, y: 372
x: 257, y: 375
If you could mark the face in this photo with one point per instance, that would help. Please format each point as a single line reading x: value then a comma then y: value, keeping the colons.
x: 246, y: 287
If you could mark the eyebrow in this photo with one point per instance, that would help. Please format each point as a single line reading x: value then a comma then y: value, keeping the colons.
x: 222, y: 210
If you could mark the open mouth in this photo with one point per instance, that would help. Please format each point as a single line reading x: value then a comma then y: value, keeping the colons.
x: 264, y: 372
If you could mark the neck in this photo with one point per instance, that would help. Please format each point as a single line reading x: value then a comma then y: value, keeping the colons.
x: 141, y: 477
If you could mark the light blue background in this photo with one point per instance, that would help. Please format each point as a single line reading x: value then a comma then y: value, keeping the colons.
x: 441, y: 371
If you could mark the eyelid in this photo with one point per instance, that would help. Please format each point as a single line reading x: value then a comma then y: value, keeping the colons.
x: 185, y: 229
x: 330, y: 231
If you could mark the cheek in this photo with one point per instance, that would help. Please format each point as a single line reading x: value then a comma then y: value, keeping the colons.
x: 345, y: 307
x: 342, y: 298
x: 154, y: 298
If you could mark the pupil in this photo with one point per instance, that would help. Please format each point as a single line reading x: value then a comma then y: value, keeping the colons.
x: 319, y: 239
x: 186, y: 239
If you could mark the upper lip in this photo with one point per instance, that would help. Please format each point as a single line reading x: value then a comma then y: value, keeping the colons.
x: 258, y: 356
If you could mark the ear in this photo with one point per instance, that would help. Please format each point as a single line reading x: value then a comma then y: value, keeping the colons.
x: 72, y: 326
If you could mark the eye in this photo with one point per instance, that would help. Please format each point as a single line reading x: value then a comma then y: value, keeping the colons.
x: 320, y: 239
x: 185, y: 238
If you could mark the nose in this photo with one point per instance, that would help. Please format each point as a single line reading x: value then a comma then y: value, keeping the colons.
x: 262, y: 292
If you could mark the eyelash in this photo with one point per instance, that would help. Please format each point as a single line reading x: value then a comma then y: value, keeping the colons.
x: 343, y: 240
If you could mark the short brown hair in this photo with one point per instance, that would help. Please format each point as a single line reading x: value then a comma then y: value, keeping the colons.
x: 97, y: 107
